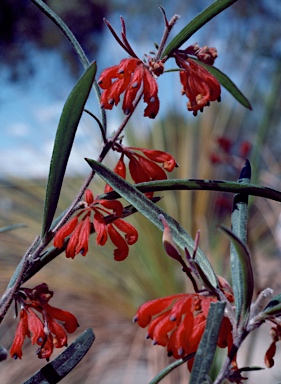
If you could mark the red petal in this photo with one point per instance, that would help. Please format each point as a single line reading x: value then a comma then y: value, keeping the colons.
x: 131, y: 232
x: 115, y: 205
x: 89, y: 197
x: 132, y: 90
x: 65, y: 231
x: 122, y: 250
x: 199, y: 324
x: 83, y: 242
x: 70, y: 321
x: 168, y: 161
x: 36, y: 327
x: 161, y: 330
x: 47, y: 349
x: 154, y: 307
x: 136, y: 170
x: 107, y: 75
x: 154, y: 171
x: 21, y: 332
x: 120, y: 169
x: 60, y: 337
x: 100, y: 228
x: 270, y: 353
x: 74, y: 240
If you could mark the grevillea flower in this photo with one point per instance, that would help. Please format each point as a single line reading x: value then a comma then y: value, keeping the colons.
x: 199, y: 85
x: 177, y: 322
x: 143, y: 168
x: 275, y: 333
x: 79, y: 231
x: 129, y: 76
x: 39, y: 321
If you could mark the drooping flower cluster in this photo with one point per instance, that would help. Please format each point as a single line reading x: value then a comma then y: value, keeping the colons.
x: 44, y: 331
x: 177, y: 322
x: 143, y: 168
x: 79, y: 231
x: 199, y: 85
x: 129, y: 76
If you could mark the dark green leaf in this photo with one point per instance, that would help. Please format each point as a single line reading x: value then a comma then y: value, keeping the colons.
x: 169, y: 368
x: 65, y: 135
x: 151, y: 212
x: 207, y: 347
x: 203, y: 185
x: 11, y: 227
x: 239, y: 219
x: 245, y: 275
x: 55, y: 371
x: 273, y: 308
x: 198, y: 22
x: 227, y: 84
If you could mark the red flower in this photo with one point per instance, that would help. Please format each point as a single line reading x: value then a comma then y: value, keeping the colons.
x: 45, y: 332
x: 79, y: 231
x: 177, y: 322
x: 129, y: 76
x: 142, y: 168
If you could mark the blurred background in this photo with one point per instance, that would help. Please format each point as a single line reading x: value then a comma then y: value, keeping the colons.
x: 38, y: 70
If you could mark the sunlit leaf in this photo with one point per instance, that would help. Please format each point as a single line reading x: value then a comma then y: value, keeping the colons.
x: 198, y: 22
x: 56, y: 370
x: 244, y: 275
x: 204, y: 185
x: 239, y: 220
x: 207, y: 347
x: 151, y: 212
x: 65, y: 135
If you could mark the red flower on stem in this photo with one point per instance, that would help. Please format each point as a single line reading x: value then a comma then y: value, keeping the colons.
x: 130, y: 77
x: 143, y: 168
x: 45, y: 331
x: 199, y: 85
x: 79, y: 231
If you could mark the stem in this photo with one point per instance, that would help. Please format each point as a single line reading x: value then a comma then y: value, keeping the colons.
x: 169, y: 26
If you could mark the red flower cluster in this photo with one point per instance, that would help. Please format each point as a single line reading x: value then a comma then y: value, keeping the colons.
x: 142, y: 168
x: 79, y: 231
x: 199, y: 85
x: 45, y: 332
x: 177, y: 322
x: 128, y: 77
x: 226, y: 156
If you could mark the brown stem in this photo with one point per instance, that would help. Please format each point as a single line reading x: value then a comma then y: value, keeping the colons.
x: 169, y: 26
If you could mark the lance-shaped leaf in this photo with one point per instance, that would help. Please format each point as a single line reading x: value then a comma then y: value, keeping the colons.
x: 207, y: 347
x: 203, y: 185
x: 65, y: 135
x: 239, y: 219
x: 226, y: 83
x: 56, y: 370
x: 273, y: 308
x: 198, y: 22
x: 151, y: 212
x: 243, y: 276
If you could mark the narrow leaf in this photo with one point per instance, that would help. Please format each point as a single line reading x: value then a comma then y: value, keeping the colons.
x: 244, y: 276
x: 11, y: 227
x: 239, y: 219
x: 65, y: 135
x: 273, y: 308
x: 203, y: 185
x: 207, y: 347
x: 169, y: 369
x: 151, y: 212
x: 198, y: 22
x: 226, y: 83
x: 55, y: 371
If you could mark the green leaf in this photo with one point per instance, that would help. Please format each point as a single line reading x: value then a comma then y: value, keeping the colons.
x: 169, y: 369
x: 65, y: 135
x: 151, y: 212
x: 198, y: 22
x: 203, y: 185
x: 244, y: 276
x: 207, y: 347
x: 273, y: 308
x: 55, y: 371
x: 239, y: 220
x: 11, y: 227
x: 226, y: 83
